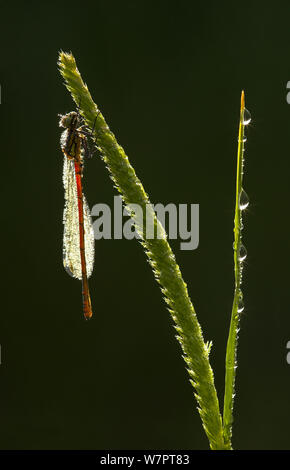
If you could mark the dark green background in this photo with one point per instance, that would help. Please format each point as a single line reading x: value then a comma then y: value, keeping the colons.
x: 167, y: 77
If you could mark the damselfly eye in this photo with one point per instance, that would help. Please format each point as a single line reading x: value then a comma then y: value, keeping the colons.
x: 65, y: 121
x: 68, y: 120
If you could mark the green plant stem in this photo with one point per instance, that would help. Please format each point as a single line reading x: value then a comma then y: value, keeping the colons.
x: 231, y: 354
x: 160, y: 255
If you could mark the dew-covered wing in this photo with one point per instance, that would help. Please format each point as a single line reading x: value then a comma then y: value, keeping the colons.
x: 71, y: 239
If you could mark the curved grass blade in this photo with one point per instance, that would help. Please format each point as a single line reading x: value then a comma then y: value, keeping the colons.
x: 240, y: 254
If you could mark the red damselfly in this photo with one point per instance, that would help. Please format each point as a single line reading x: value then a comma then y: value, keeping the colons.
x: 78, y: 237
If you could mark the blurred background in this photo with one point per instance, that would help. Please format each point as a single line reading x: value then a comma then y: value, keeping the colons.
x: 168, y: 77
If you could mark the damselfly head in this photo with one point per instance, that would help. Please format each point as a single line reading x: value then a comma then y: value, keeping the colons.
x: 69, y: 120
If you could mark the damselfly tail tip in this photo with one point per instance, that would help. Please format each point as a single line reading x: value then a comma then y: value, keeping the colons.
x: 88, y: 312
x: 88, y: 315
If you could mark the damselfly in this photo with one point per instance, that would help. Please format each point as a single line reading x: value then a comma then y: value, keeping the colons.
x: 78, y: 236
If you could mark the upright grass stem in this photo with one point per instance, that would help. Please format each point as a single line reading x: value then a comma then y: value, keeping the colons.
x: 159, y: 253
x: 239, y: 256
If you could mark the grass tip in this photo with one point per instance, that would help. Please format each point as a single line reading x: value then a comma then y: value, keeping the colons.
x: 242, y: 100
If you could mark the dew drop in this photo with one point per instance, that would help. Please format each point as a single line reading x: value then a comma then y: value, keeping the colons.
x: 247, y: 117
x: 240, y: 305
x: 244, y: 200
x: 242, y: 253
x: 243, y: 139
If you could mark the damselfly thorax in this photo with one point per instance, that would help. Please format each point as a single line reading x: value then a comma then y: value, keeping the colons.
x: 73, y: 141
